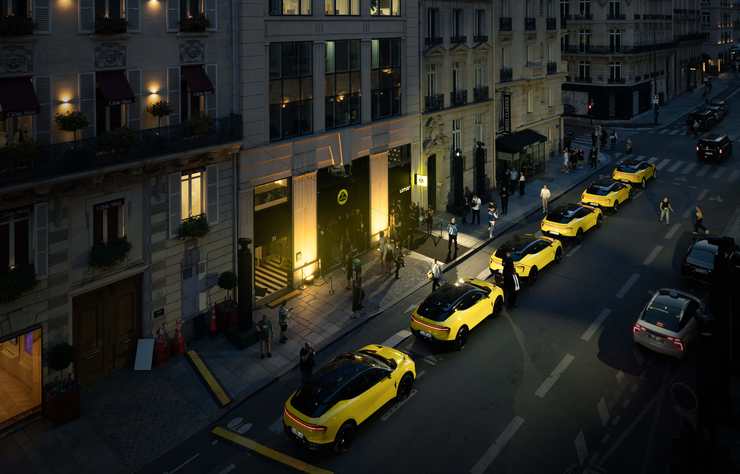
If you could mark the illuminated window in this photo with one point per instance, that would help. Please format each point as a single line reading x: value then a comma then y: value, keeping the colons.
x: 341, y: 7
x: 342, y: 83
x: 191, y: 194
x: 291, y: 7
x: 385, y: 7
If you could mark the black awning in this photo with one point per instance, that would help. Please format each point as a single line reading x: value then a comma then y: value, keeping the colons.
x: 197, y: 79
x: 516, y: 142
x: 17, y: 97
x: 115, y: 87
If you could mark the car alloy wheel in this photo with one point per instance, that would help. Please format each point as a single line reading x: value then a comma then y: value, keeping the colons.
x: 558, y: 255
x: 533, y: 275
x: 344, y: 438
x: 599, y: 220
x: 404, y: 387
x: 461, y: 338
x: 644, y: 183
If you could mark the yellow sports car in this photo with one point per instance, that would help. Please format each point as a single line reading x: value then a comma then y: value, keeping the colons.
x: 326, y: 410
x: 635, y: 171
x: 449, y: 313
x: 530, y: 254
x: 606, y: 193
x: 571, y: 220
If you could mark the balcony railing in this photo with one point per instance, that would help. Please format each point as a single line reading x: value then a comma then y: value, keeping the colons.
x: 433, y: 103
x: 110, y: 26
x: 480, y: 93
x: 458, y: 39
x: 552, y: 24
x: 530, y: 24
x: 504, y: 23
x: 458, y: 98
x: 699, y: 36
x: 15, y: 26
x: 552, y: 67
x: 28, y: 162
x: 583, y: 16
x: 617, y: 80
x: 622, y: 50
x: 480, y: 38
x: 616, y: 17
x: 433, y: 41
x: 194, y: 24
x: 582, y: 79
x: 505, y: 74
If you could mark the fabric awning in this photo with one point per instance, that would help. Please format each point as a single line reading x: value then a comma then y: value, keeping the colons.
x: 17, y: 97
x: 115, y: 87
x: 516, y: 142
x: 197, y: 79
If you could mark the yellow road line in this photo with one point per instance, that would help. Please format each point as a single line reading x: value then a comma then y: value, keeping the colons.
x: 200, y: 366
x: 270, y: 453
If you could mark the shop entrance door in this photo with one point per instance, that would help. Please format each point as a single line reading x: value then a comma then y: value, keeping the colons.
x: 273, y: 219
x: 20, y: 376
x: 432, y: 182
x: 106, y: 329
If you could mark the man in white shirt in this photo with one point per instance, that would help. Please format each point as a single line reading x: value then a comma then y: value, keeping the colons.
x: 545, y: 196
x: 436, y: 274
x: 475, y: 205
x: 451, y: 235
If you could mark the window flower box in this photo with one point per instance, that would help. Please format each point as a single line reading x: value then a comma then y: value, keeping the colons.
x: 194, y: 227
x: 107, y: 254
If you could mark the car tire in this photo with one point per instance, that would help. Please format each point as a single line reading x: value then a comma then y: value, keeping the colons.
x: 461, y: 338
x: 615, y: 207
x: 345, y: 436
x: 579, y: 235
x: 404, y: 387
x: 599, y: 220
x: 558, y: 255
x: 497, y: 305
x: 532, y: 277
x: 644, y: 183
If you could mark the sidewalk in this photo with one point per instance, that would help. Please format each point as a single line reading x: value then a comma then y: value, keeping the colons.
x: 131, y: 418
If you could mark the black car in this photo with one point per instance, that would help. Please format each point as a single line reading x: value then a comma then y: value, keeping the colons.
x: 722, y: 104
x: 718, y: 111
x: 714, y: 146
x: 705, y: 118
x: 699, y: 262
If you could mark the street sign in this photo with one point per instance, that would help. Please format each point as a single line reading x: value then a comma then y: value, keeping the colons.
x: 421, y: 180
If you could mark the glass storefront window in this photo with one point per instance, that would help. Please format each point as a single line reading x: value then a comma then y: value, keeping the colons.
x: 270, y: 194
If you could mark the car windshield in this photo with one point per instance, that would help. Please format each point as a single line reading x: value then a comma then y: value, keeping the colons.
x: 317, y: 395
x: 701, y: 257
x: 501, y: 253
x: 598, y: 190
x: 629, y: 166
x: 665, y: 312
x: 438, y: 305
x: 386, y: 363
x: 562, y: 214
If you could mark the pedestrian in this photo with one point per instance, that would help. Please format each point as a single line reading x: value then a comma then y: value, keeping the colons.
x: 511, y: 281
x: 513, y: 178
x: 388, y: 262
x: 699, y: 221
x: 398, y: 259
x: 545, y: 197
x: 665, y: 210
x: 695, y: 128
x: 566, y: 161
x: 604, y: 137
x: 628, y: 146
x: 358, y: 294
x: 492, y: 218
x: 451, y: 235
x: 435, y: 274
x: 466, y: 206
x: 429, y: 219
x: 594, y: 140
x: 283, y: 314
x: 382, y: 247
x: 522, y: 181
x: 504, y: 194
x: 264, y: 328
x: 613, y: 139
x: 593, y: 158
x: 306, y: 361
x: 348, y: 269
x: 475, y: 205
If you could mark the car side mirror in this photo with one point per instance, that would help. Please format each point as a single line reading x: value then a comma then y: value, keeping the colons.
x: 389, y: 374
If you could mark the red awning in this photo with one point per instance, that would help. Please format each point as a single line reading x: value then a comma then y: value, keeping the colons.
x: 197, y: 79
x: 17, y: 97
x: 115, y: 87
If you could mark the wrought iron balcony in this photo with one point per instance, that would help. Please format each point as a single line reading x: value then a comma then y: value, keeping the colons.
x: 433, y: 103
x: 583, y: 16
x: 616, y: 17
x: 458, y: 39
x: 195, y: 24
x: 433, y: 41
x: 617, y: 80
x: 480, y: 38
x: 530, y: 24
x: 458, y: 98
x: 506, y: 74
x: 110, y: 26
x: 504, y: 23
x: 14, y: 25
x: 552, y: 24
x: 552, y: 67
x: 480, y: 93
x: 29, y: 162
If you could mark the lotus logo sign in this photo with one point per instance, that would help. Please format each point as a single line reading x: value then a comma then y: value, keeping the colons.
x: 342, y: 197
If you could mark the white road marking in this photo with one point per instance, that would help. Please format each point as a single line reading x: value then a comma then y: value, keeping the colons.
x: 702, y: 194
x: 627, y: 285
x: 581, y: 448
x: 484, y: 274
x: 663, y: 163
x: 396, y: 339
x: 674, y: 132
x: 548, y: 383
x: 277, y: 425
x: 652, y: 159
x: 603, y: 411
x: 495, y: 449
x: 430, y: 359
x: 718, y: 173
x: 703, y: 170
x: 672, y: 231
x: 185, y: 463
x: 653, y: 255
x: 234, y: 423
x: 396, y: 406
x: 675, y: 166
x: 588, y: 334
x: 420, y: 374
x: 734, y: 175
x: 620, y: 376
x: 573, y: 250
x: 410, y: 309
x: 689, y: 168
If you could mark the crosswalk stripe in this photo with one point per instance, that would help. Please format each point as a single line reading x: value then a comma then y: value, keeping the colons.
x: 703, y: 170
x: 675, y: 166
x: 652, y: 159
x: 718, y: 173
x: 663, y: 163
x: 674, y: 132
x: 663, y: 132
x: 641, y: 157
x: 734, y: 175
x: 689, y: 168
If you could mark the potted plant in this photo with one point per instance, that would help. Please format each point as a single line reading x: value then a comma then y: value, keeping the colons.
x: 227, y: 310
x: 72, y: 121
x: 117, y: 141
x: 63, y: 396
x: 16, y: 281
x: 107, y: 254
x: 194, y: 227
x: 160, y: 110
x: 200, y: 125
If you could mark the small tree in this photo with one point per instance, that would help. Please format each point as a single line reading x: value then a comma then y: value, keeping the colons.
x: 227, y: 281
x: 72, y: 121
x: 160, y: 109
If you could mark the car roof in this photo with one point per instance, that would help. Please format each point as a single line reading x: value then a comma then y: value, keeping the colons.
x: 603, y: 183
x: 565, y: 209
x: 674, y: 298
x: 713, y: 137
x: 632, y: 161
x: 346, y: 366
x: 520, y: 242
x: 450, y: 293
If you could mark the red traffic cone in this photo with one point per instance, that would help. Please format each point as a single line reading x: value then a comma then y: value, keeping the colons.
x: 178, y: 346
x: 162, y: 350
x: 214, y: 326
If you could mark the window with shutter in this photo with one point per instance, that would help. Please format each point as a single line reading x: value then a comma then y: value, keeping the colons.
x: 173, y: 15
x: 134, y: 108
x: 212, y: 14
x: 132, y: 15
x: 42, y: 120
x: 212, y: 99
x: 212, y: 183
x: 173, y: 94
x: 41, y: 16
x: 41, y: 230
x: 86, y: 15
x: 175, y: 213
x: 86, y: 94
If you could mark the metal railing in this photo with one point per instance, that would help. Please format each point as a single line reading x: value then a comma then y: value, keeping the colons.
x: 458, y: 39
x: 480, y: 38
x: 458, y: 98
x: 434, y: 102
x: 15, y: 25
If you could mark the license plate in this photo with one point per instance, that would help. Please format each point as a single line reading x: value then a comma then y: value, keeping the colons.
x: 425, y: 334
x: 296, y: 432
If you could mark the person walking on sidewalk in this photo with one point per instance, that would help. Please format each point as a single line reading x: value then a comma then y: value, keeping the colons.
x: 513, y: 178
x: 593, y: 158
x: 475, y: 205
x: 504, y: 194
x: 283, y: 314
x: 398, y: 259
x: 451, y: 235
x: 522, y: 181
x: 429, y: 220
x: 665, y: 210
x: 435, y: 274
x: 306, y: 361
x: 492, y: 217
x: 264, y: 329
x: 545, y: 197
x: 699, y: 221
x: 566, y: 161
x: 383, y: 247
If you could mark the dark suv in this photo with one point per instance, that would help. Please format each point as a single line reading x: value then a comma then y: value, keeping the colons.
x: 705, y: 118
x: 714, y: 147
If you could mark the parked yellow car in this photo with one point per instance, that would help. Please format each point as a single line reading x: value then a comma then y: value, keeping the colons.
x: 326, y: 410
x: 571, y: 220
x: 635, y: 171
x: 606, y: 193
x: 449, y: 313
x: 530, y: 254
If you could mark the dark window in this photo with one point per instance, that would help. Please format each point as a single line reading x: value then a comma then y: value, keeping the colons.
x: 108, y: 117
x: 664, y: 312
x: 19, y: 8
x: 385, y: 7
x: 191, y: 9
x: 291, y: 89
x: 469, y: 300
x: 457, y: 22
x: 15, y: 241
x: 108, y: 221
x: 341, y: 7
x: 113, y: 9
x: 343, y: 83
x: 386, y: 78
x: 432, y: 23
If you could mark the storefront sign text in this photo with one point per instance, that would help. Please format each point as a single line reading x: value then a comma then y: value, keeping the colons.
x: 421, y: 180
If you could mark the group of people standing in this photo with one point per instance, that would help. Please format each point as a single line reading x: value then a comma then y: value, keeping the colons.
x: 345, y: 234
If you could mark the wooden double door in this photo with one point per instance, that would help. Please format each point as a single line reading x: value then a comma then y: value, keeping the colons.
x: 106, y: 329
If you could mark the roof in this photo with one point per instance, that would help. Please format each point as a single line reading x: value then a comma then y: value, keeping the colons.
x: 567, y: 211
x: 448, y: 293
x: 517, y: 141
x: 603, y: 183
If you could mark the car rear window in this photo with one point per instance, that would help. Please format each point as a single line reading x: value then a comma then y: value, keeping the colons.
x: 319, y: 394
x: 562, y: 214
x: 438, y: 305
x: 664, y: 314
x: 597, y: 190
x: 702, y: 258
x: 628, y: 167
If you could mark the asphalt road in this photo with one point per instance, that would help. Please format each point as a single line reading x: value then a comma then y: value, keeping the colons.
x: 552, y: 386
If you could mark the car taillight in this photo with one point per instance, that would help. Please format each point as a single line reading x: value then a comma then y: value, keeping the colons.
x: 721, y: 151
x: 676, y: 342
x: 303, y: 424
x: 636, y: 329
x: 697, y: 147
x: 429, y: 325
